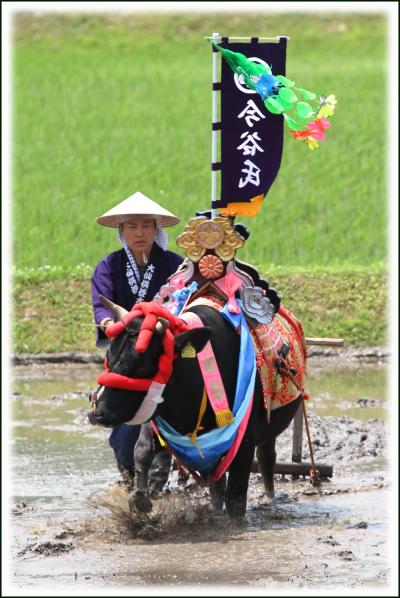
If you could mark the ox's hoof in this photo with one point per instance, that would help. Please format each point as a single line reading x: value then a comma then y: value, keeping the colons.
x: 156, y: 494
x: 278, y: 496
x: 217, y: 506
x: 140, y: 502
x: 237, y: 521
x: 217, y: 502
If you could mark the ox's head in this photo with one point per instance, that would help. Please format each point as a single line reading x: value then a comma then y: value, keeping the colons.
x: 139, y: 363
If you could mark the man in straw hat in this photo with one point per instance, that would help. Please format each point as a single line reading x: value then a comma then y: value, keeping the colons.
x: 128, y: 276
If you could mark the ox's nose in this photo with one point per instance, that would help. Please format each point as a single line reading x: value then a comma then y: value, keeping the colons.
x: 98, y: 419
x: 91, y: 418
x: 95, y: 417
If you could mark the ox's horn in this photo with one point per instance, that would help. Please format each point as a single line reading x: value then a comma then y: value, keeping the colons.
x: 118, y: 311
x: 162, y: 325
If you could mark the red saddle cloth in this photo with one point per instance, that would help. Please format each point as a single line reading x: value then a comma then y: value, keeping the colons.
x: 280, y: 389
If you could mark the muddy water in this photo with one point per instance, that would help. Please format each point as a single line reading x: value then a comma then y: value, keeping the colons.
x: 71, y: 530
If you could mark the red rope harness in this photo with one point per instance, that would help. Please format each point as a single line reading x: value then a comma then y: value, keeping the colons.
x: 151, y: 313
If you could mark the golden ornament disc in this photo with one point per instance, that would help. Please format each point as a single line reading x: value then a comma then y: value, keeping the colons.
x: 210, y: 234
x: 211, y: 267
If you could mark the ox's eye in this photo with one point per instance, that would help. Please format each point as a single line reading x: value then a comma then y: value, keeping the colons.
x: 132, y: 338
x: 131, y: 329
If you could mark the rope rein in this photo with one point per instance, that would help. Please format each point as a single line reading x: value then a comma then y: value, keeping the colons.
x: 284, y: 368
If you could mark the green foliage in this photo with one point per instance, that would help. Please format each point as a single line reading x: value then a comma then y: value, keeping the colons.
x: 107, y: 105
x: 348, y: 304
x: 52, y: 315
x: 56, y: 314
x: 48, y: 273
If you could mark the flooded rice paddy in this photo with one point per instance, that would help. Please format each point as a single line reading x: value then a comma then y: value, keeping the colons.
x: 71, y: 529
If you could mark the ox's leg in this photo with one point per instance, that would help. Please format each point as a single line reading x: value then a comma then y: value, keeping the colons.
x: 160, y: 468
x: 144, y: 452
x: 217, y: 493
x: 238, y: 481
x: 266, y: 457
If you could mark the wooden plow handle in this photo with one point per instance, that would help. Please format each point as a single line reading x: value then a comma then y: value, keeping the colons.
x: 325, y: 342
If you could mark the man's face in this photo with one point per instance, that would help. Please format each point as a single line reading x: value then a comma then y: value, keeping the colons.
x: 139, y: 235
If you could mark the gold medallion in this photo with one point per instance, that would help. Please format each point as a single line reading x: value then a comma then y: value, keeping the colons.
x: 210, y: 234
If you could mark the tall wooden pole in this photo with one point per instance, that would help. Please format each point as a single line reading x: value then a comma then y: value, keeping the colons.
x: 215, y: 57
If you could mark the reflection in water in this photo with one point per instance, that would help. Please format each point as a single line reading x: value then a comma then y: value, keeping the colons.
x: 360, y: 393
x: 56, y: 452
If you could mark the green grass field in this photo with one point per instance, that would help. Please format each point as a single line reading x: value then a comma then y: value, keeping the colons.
x: 104, y: 106
x: 55, y: 314
x: 107, y: 105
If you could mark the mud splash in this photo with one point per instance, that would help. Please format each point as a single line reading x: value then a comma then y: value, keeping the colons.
x: 322, y: 535
x: 72, y: 529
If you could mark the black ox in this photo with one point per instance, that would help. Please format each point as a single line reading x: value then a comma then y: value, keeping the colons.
x: 182, y: 398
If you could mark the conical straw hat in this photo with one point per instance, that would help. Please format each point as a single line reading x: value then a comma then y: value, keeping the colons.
x: 135, y: 205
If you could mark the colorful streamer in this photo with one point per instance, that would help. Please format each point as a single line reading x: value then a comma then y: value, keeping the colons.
x: 305, y: 115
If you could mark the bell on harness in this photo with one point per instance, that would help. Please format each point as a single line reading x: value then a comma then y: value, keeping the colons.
x: 280, y: 364
x: 283, y: 352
